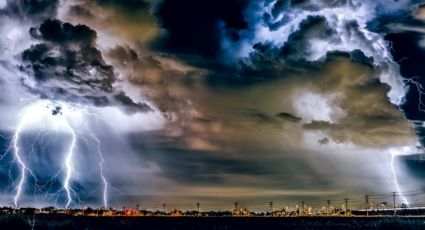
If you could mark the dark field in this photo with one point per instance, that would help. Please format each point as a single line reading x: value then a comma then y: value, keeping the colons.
x: 216, y: 223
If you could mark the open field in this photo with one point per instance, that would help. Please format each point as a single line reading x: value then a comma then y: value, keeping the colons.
x: 206, y: 223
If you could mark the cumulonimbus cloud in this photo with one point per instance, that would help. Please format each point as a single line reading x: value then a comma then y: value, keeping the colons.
x: 66, y: 65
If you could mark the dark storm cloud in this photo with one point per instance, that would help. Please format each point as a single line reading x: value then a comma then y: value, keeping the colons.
x: 327, y: 29
x: 288, y: 117
x: 359, y: 57
x: 131, y: 20
x: 376, y: 118
x: 294, y: 54
x: 80, y: 11
x: 160, y: 76
x: 280, y: 6
x: 123, y: 55
x: 279, y: 14
x: 263, y: 118
x: 60, y: 33
x: 208, y: 35
x: 323, y: 141
x: 210, y: 142
x: 31, y: 9
x: 180, y: 91
x: 350, y: 77
x: 267, y: 62
x: 66, y: 65
x: 192, y: 149
x: 298, y: 42
x: 129, y: 105
x: 305, y: 4
x: 256, y: 115
x: 195, y: 167
x: 216, y: 30
x: 207, y: 28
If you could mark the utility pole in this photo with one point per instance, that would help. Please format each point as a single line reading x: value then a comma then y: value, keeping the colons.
x: 329, y: 206
x: 367, y: 201
x: 346, y: 204
x: 394, y: 194
x: 197, y: 206
x: 271, y: 206
x: 302, y: 205
x: 163, y: 207
x: 367, y: 204
x: 236, y: 206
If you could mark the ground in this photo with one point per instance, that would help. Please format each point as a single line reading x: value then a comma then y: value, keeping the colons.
x: 206, y: 223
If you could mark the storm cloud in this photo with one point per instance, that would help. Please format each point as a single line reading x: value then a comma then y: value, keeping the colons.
x: 36, y: 10
x: 67, y: 66
x: 270, y: 99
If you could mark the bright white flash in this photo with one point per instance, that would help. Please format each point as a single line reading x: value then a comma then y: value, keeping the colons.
x: 58, y: 117
x: 394, y: 154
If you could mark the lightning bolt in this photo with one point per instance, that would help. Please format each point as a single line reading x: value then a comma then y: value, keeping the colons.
x: 22, y: 165
x: 104, y: 181
x: 69, y: 164
x: 421, y: 91
x: 24, y: 169
x: 395, y: 179
x: 33, y: 115
x: 421, y: 107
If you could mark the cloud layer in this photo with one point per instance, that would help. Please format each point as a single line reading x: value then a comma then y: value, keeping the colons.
x: 258, y: 99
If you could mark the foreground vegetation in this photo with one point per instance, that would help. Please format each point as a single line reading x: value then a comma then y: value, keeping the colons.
x: 217, y: 223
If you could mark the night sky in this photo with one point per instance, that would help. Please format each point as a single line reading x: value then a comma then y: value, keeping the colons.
x: 114, y: 103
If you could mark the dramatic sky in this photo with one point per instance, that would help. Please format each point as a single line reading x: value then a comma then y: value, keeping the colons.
x: 213, y: 101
